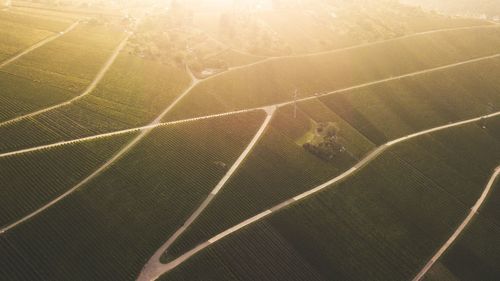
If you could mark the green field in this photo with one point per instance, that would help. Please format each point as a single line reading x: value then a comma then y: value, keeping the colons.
x: 112, y: 225
x: 133, y: 93
x: 57, y: 71
x: 381, y: 224
x: 391, y: 110
x: 33, y: 179
x: 18, y: 32
x: 475, y: 254
x: 71, y: 61
x: 97, y: 178
x: 276, y: 80
x: 277, y: 169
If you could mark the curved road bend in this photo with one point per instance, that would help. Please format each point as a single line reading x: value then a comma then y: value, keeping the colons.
x: 144, y: 132
x: 158, y: 269
x: 197, y: 81
x: 154, y: 261
x: 461, y: 227
x: 39, y: 44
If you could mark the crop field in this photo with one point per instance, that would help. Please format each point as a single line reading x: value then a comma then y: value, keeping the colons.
x: 125, y: 214
x: 132, y: 93
x: 476, y: 253
x: 19, y: 32
x: 256, y: 140
x: 387, y: 111
x: 70, y: 62
x: 377, y: 225
x: 49, y: 75
x: 277, y: 169
x: 32, y: 179
x: 275, y: 81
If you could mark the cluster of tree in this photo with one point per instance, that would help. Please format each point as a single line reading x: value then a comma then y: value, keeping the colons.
x: 325, y: 143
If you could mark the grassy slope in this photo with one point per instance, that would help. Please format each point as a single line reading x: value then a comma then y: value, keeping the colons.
x: 33, y: 179
x: 382, y: 224
x: 394, y: 109
x: 132, y: 93
x: 276, y: 80
x: 276, y: 170
x: 108, y: 229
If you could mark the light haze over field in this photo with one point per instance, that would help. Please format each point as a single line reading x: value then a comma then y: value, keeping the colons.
x: 226, y: 140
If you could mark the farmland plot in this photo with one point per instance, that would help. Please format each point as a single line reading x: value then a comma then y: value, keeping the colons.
x: 55, y: 72
x: 31, y: 180
x: 475, y: 254
x: 394, y: 109
x: 72, y: 61
x: 381, y: 224
x: 276, y: 80
x: 19, y: 32
x: 277, y: 169
x: 109, y: 228
x: 132, y: 93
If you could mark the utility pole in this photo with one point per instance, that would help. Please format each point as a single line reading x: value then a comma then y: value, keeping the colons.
x: 295, y: 95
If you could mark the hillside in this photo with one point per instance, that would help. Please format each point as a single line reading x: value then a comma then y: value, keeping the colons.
x: 259, y: 140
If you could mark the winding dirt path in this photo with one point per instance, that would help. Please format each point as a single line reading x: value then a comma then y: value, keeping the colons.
x: 154, y: 261
x: 155, y: 270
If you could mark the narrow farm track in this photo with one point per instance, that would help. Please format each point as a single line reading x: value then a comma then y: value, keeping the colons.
x: 154, y: 261
x: 39, y: 44
x: 461, y: 227
x: 100, y: 75
x: 143, y: 133
x: 160, y: 269
x: 196, y: 81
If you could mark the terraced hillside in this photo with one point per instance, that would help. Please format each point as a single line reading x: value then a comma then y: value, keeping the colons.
x: 381, y: 224
x: 275, y: 81
x: 108, y: 228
